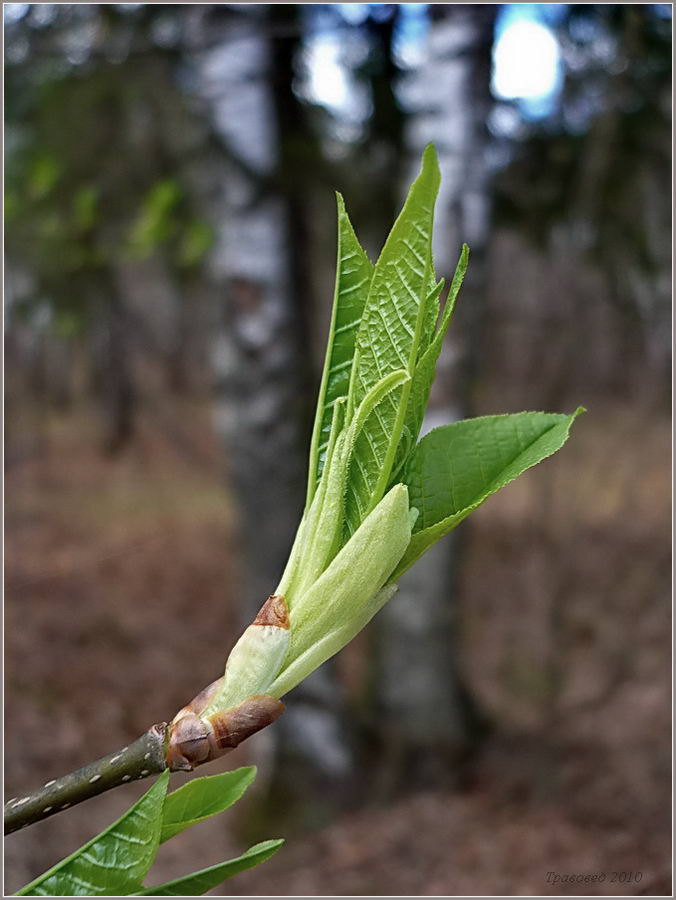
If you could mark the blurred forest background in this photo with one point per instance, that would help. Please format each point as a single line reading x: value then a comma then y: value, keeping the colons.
x: 170, y: 243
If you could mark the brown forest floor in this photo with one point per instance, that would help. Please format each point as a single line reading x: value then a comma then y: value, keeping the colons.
x: 565, y: 622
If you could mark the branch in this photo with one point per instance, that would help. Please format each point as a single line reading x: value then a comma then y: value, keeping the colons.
x: 145, y: 756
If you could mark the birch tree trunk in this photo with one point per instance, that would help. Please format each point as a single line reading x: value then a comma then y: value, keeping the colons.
x: 264, y: 379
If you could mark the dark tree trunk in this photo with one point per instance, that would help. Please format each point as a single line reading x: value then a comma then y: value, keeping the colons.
x: 119, y: 389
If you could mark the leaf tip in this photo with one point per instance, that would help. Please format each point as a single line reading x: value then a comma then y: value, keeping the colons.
x: 272, y: 844
x: 399, y: 493
x: 430, y: 161
x: 430, y: 154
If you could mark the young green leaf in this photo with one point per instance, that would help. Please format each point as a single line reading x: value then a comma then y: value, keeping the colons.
x: 388, y: 340
x: 455, y: 468
x: 353, y: 278
x: 198, y: 883
x: 202, y: 798
x: 426, y: 369
x: 115, y: 862
x: 431, y: 312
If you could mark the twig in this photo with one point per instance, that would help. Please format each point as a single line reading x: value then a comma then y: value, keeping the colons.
x: 145, y: 756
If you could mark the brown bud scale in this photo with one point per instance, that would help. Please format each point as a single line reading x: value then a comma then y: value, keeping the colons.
x: 234, y: 725
x: 193, y: 741
x: 199, y: 703
x: 188, y: 742
x: 274, y: 611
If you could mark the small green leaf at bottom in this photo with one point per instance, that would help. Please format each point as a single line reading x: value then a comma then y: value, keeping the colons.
x: 202, y: 798
x: 198, y: 883
x: 115, y: 862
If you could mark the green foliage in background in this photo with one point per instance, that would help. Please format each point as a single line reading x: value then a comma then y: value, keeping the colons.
x: 87, y: 193
x: 117, y: 861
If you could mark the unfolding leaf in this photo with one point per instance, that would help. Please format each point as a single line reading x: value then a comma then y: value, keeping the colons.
x: 356, y: 574
x: 353, y: 278
x: 115, y: 862
x: 323, y: 524
x: 322, y: 521
x: 388, y: 340
x: 198, y: 883
x: 425, y: 370
x: 331, y: 642
x: 431, y: 312
x: 202, y: 798
x: 455, y: 468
